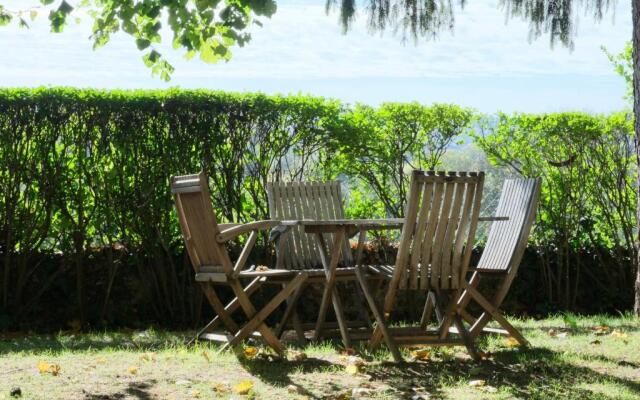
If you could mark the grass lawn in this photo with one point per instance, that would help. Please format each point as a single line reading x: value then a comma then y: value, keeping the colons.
x: 569, y: 358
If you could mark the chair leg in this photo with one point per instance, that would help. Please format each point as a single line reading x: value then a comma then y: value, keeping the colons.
x: 330, y: 291
x: 292, y: 303
x: 297, y: 326
x: 219, y: 308
x: 395, y: 352
x: 232, y: 307
x: 448, y: 317
x: 496, y: 315
x: 466, y: 338
x: 429, y: 305
x: 257, y: 318
x: 363, y: 309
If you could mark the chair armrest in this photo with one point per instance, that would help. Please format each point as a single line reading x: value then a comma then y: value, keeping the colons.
x: 374, y: 227
x: 493, y: 218
x: 238, y: 230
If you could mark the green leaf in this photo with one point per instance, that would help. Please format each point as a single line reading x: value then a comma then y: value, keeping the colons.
x: 142, y: 44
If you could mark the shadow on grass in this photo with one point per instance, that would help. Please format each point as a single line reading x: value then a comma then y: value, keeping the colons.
x: 529, y: 373
x: 135, y: 390
x: 522, y: 373
x: 127, y: 340
x: 277, y: 373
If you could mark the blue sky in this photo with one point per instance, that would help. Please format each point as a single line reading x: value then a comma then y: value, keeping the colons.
x: 486, y: 63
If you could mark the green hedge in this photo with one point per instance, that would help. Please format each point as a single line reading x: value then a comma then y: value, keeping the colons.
x: 86, y: 218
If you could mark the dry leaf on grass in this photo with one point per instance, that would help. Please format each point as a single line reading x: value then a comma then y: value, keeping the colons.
x: 601, y: 330
x: 299, y: 356
x: 206, y: 355
x: 243, y: 387
x: 195, y: 394
x: 619, y: 334
x: 552, y: 332
x: 511, y: 342
x: 48, y: 368
x: 101, y: 361
x: 250, y: 352
x: 220, y: 387
x: 133, y: 370
x: 477, y: 383
x: 420, y: 355
x: 147, y: 357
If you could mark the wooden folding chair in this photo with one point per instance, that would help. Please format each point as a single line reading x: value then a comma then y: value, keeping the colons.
x: 204, y: 240
x: 433, y: 257
x: 502, y: 254
x: 297, y: 250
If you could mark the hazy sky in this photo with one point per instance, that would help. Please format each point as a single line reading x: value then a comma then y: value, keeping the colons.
x: 486, y: 63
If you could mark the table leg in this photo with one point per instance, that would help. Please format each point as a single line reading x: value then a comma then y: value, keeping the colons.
x: 330, y: 291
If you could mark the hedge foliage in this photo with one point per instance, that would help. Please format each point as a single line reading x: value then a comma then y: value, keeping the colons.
x: 86, y: 217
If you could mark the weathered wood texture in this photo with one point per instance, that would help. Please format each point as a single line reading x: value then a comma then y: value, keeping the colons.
x: 433, y: 255
x: 503, y: 253
x: 210, y: 259
x: 306, y: 200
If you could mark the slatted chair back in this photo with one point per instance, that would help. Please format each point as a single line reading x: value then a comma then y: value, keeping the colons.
x: 198, y: 224
x: 306, y: 200
x: 507, y: 240
x: 437, y: 238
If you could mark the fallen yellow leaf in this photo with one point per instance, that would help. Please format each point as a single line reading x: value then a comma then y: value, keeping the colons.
x: 206, y: 355
x: 195, y: 394
x: 420, y: 354
x: 48, y: 368
x: 243, y: 387
x: 101, y: 361
x: 511, y: 342
x: 250, y: 352
x: 133, y: 370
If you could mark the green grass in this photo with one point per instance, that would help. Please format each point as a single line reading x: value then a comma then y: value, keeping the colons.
x: 575, y: 363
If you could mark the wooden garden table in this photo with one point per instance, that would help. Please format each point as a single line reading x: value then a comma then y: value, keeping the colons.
x: 340, y: 228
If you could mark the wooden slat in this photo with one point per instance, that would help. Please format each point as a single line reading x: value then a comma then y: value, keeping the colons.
x: 418, y: 241
x: 310, y: 201
x: 432, y: 223
x: 450, y: 269
x: 438, y: 241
